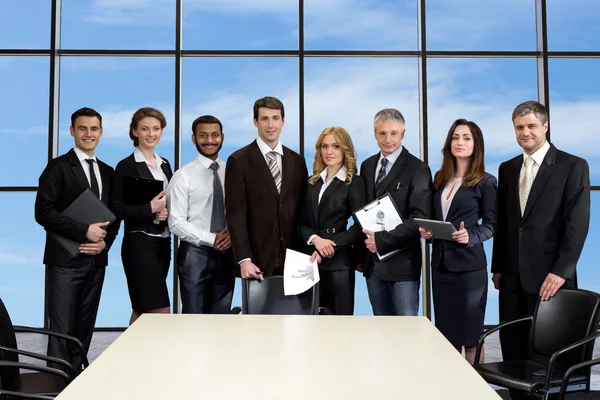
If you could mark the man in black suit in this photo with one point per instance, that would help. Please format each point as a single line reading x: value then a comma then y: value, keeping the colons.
x: 265, y: 184
x: 543, y: 220
x: 393, y: 283
x: 75, y: 283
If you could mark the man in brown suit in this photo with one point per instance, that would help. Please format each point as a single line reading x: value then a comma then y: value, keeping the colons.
x: 264, y: 186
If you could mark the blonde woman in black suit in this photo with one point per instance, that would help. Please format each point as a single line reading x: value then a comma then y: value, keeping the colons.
x: 146, y: 249
x: 334, y: 192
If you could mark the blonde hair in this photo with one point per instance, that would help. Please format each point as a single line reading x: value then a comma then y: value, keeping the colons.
x: 342, y: 137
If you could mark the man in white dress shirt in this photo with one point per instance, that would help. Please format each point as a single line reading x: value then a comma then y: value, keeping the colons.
x: 195, y: 198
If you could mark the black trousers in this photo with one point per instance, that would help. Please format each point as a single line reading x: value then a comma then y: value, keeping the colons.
x: 336, y: 291
x: 207, y: 280
x: 74, y: 297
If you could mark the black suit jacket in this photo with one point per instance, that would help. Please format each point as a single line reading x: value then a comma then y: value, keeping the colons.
x: 409, y: 184
x: 258, y: 217
x: 137, y: 218
x: 469, y: 205
x: 551, y: 233
x: 61, y: 182
x: 329, y: 219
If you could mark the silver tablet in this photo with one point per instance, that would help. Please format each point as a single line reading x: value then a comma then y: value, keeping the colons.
x: 439, y: 229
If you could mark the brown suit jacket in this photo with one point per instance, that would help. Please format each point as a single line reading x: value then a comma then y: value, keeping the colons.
x: 259, y: 219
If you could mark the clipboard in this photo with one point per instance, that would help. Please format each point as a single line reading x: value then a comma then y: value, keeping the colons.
x: 87, y: 208
x: 439, y: 229
x: 379, y: 215
x: 138, y: 191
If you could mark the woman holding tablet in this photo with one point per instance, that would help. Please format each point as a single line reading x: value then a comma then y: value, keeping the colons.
x: 146, y: 248
x: 334, y: 191
x: 463, y: 194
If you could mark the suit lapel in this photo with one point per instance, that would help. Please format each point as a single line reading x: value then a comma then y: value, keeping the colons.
x: 260, y: 165
x: 369, y: 173
x: 288, y: 171
x: 394, y: 172
x: 546, y: 169
x: 77, y: 169
x: 166, y: 169
x: 142, y: 169
x: 104, y: 176
x: 330, y: 189
x: 512, y: 178
x: 314, y: 198
x: 460, y: 192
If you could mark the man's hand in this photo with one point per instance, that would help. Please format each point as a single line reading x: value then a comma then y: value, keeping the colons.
x: 222, y: 241
x: 370, y: 242
x: 95, y: 232
x: 316, y: 256
x: 496, y: 279
x: 92, y: 249
x: 325, y: 247
x: 250, y: 271
x: 551, y: 285
x: 461, y: 235
x: 162, y: 215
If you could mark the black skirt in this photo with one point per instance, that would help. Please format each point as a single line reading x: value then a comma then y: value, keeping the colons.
x: 459, y: 300
x: 146, y: 261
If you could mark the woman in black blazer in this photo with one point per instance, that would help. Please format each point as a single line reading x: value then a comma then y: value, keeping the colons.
x: 463, y: 194
x: 146, y: 249
x: 333, y: 193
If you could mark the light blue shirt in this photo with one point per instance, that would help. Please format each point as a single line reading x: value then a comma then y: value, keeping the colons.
x: 391, y: 160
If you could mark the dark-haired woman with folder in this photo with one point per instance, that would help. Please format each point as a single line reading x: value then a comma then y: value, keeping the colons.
x: 333, y: 193
x: 464, y: 194
x: 146, y: 249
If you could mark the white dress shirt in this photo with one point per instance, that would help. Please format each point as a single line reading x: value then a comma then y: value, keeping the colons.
x: 157, y: 174
x: 391, y: 160
x: 190, y: 198
x: 86, y: 168
x: 341, y: 175
x: 537, y: 157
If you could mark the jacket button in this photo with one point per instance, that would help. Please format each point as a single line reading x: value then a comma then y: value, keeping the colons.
x: 520, y: 229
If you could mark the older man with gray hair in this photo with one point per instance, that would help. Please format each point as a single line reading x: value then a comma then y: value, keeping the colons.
x: 393, y: 283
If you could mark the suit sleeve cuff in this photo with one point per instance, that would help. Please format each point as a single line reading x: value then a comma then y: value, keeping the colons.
x: 310, y: 239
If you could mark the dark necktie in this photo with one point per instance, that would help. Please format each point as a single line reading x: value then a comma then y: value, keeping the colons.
x: 217, y: 219
x: 93, y: 181
x: 381, y: 175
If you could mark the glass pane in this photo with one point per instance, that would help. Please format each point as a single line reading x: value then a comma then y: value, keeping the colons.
x: 574, y: 100
x: 481, y: 25
x: 588, y: 276
x: 227, y: 88
x: 24, y: 116
x: 484, y: 91
x: 22, y: 272
x: 573, y: 25
x: 116, y: 87
x: 240, y: 25
x: 360, y: 25
x: 347, y: 92
x: 91, y: 24
x: 25, y: 24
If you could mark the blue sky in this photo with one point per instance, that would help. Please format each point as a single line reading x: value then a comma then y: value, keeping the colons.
x: 338, y: 91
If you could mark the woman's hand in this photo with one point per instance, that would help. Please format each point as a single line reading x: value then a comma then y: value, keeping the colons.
x: 425, y: 234
x: 158, y: 203
x: 461, y: 235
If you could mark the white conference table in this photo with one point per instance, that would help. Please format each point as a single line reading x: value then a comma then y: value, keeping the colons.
x: 279, y: 357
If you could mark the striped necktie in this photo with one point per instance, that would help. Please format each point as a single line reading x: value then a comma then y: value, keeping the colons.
x: 274, y: 168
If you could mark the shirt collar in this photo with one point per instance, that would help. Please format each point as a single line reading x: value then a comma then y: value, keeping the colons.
x: 341, y: 174
x: 139, y: 157
x: 392, y: 157
x: 539, y: 155
x: 264, y: 148
x: 82, y: 156
x: 207, y: 162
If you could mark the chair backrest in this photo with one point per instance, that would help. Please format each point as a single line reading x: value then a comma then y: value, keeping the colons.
x: 267, y: 297
x: 7, y: 339
x: 569, y: 316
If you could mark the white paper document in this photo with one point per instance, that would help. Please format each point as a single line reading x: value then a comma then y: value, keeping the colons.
x: 380, y: 215
x: 299, y: 274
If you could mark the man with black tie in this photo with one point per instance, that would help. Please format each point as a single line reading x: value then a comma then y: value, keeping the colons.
x: 197, y: 216
x: 75, y: 284
x: 543, y: 220
x: 265, y: 184
x: 393, y: 283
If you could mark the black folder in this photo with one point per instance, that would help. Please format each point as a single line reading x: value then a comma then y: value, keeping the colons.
x: 87, y: 208
x: 138, y: 191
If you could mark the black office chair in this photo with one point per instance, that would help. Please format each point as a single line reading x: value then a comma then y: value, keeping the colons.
x: 562, y: 334
x: 45, y: 381
x: 591, y: 395
x: 267, y: 297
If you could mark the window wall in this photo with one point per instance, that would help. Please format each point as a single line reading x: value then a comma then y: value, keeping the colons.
x: 334, y: 62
